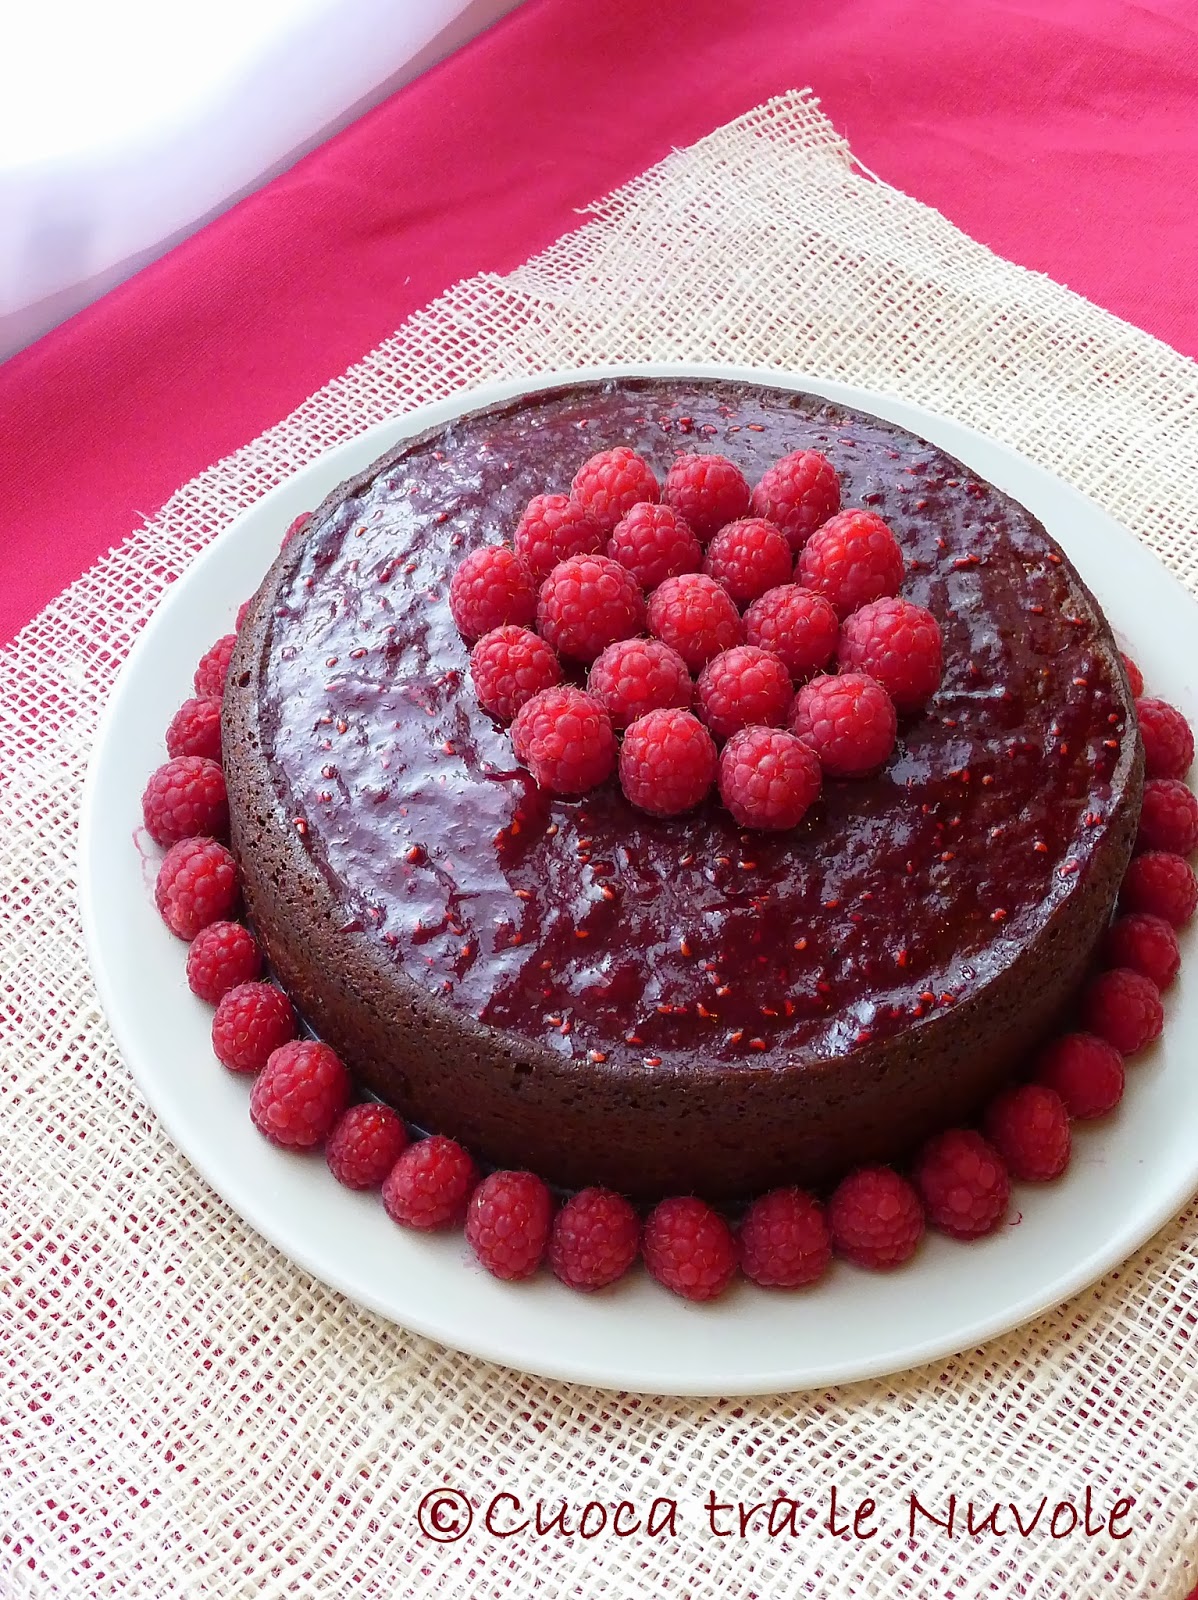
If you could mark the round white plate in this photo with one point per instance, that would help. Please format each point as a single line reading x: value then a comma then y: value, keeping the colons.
x: 1127, y: 1178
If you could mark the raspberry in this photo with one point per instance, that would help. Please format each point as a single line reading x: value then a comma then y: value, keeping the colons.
x: 768, y: 778
x: 1162, y: 884
x: 875, y: 1219
x: 242, y: 612
x: 214, y: 669
x: 749, y: 558
x: 490, y: 589
x: 1146, y: 944
x: 221, y: 956
x: 509, y: 665
x: 1124, y: 1008
x: 594, y: 1239
x: 897, y: 643
x: 1168, y: 739
x: 689, y: 1248
x: 195, y: 730
x: 1168, y: 817
x: 430, y: 1184
x: 1029, y: 1127
x: 298, y: 526
x: 797, y: 494
x: 365, y: 1145
x: 849, y: 721
x: 654, y: 543
x: 795, y: 624
x: 668, y: 762
x: 1135, y: 677
x: 708, y: 490
x: 197, y: 884
x: 564, y: 737
x: 742, y: 687
x: 963, y: 1183
x: 853, y: 559
x: 610, y: 484
x: 250, y: 1024
x: 507, y: 1223
x: 784, y: 1241
x: 299, y: 1095
x: 552, y: 529
x: 587, y: 603
x: 185, y: 797
x: 634, y: 676
x: 696, y: 617
x: 1085, y: 1071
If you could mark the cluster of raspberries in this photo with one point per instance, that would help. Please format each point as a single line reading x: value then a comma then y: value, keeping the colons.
x: 302, y: 1096
x: 698, y: 607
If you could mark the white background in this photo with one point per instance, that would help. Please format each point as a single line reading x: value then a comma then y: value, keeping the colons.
x: 124, y: 124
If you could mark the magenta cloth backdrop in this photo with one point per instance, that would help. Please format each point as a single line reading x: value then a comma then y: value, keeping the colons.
x: 1061, y: 133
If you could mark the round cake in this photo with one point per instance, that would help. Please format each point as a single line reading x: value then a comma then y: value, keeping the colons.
x: 672, y: 1005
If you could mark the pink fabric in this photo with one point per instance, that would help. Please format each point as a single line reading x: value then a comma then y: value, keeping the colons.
x: 1062, y: 133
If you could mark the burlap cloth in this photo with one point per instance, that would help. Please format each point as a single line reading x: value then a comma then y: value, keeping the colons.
x: 186, y: 1413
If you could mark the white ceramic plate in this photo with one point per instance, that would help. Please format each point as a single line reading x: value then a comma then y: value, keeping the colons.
x: 1127, y: 1178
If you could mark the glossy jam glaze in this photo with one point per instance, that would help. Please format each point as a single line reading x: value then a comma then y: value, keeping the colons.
x: 688, y: 945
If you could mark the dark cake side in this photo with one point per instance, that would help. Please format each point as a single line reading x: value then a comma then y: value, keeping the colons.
x: 726, y: 1128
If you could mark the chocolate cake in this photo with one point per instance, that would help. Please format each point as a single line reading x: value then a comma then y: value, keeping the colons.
x: 673, y: 1005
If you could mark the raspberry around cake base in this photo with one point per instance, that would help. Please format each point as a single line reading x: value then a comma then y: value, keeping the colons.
x: 675, y: 1006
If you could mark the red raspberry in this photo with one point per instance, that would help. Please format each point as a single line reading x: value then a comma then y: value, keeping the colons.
x: 784, y: 1240
x: 635, y: 676
x: 1168, y: 739
x: 768, y: 779
x: 797, y: 494
x: 853, y: 559
x: 1135, y: 677
x: 1146, y: 944
x: 594, y: 1239
x: 185, y: 797
x: 197, y: 884
x: 611, y: 483
x: 298, y: 526
x: 1164, y: 885
x: 696, y: 617
x: 507, y: 1223
x: 587, y: 603
x: 490, y: 589
x: 214, y: 669
x: 250, y: 1024
x: 1085, y: 1071
x: 510, y: 665
x: 299, y: 1095
x: 795, y: 624
x: 849, y: 721
x: 749, y: 558
x: 564, y: 737
x: 689, y: 1248
x: 875, y: 1219
x: 708, y: 490
x: 195, y: 730
x: 430, y: 1185
x: 743, y: 687
x: 668, y: 762
x: 552, y: 529
x: 1029, y: 1127
x: 1124, y: 1008
x: 221, y: 956
x: 365, y: 1145
x: 897, y: 643
x: 242, y: 612
x: 654, y: 543
x: 1168, y: 817
x: 963, y: 1183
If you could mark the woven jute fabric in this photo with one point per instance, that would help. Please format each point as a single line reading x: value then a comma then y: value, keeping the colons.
x: 186, y: 1413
